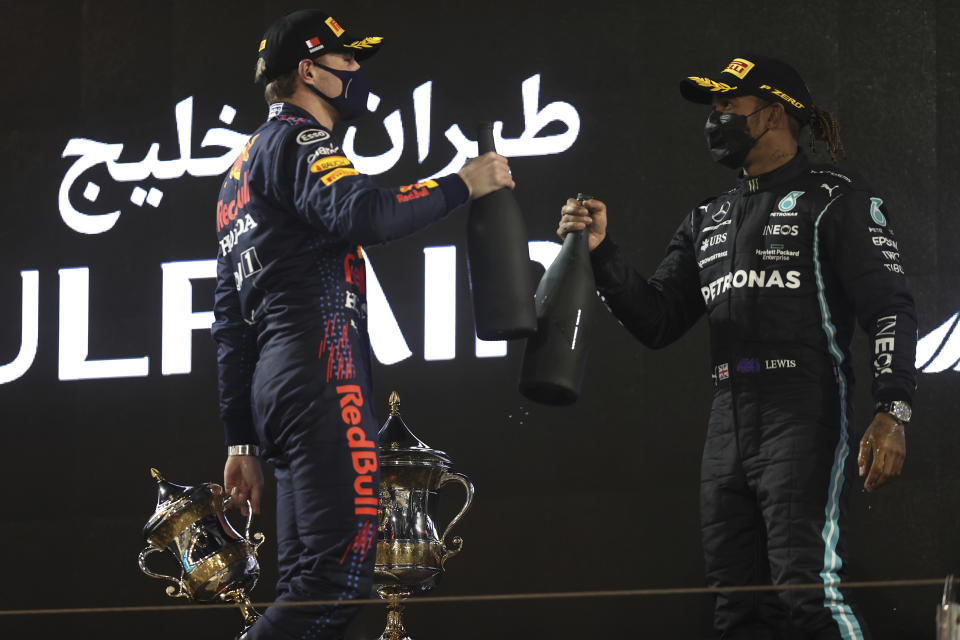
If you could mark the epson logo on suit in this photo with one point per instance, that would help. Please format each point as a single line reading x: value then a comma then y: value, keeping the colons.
x: 881, y: 241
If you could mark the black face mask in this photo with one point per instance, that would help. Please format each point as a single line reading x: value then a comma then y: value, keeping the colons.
x: 729, y: 138
x: 352, y: 101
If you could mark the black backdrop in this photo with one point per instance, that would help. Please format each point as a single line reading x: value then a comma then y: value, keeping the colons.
x: 601, y: 495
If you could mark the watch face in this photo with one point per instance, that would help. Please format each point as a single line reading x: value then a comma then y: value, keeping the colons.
x: 897, y: 408
x: 900, y: 410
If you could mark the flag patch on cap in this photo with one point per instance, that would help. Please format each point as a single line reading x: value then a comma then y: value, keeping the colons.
x: 739, y: 67
x: 314, y: 44
x: 336, y: 28
x: 263, y: 45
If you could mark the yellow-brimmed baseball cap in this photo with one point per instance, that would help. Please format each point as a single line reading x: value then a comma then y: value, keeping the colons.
x: 307, y: 34
x: 760, y: 76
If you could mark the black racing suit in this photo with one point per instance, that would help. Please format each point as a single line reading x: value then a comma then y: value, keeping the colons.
x: 782, y: 264
x: 293, y: 351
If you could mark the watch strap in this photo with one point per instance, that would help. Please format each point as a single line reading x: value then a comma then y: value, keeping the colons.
x: 243, y: 450
x: 899, y: 409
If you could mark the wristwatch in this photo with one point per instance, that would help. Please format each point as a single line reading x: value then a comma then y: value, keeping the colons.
x: 243, y: 450
x: 897, y: 408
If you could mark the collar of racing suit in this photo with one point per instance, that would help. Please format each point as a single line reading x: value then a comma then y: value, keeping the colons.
x: 287, y: 110
x: 752, y: 184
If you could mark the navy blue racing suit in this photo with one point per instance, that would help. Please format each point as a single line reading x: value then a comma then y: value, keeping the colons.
x: 783, y: 265
x: 294, y: 354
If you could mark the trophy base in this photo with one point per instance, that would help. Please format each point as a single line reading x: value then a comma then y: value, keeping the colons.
x: 250, y: 615
x: 394, y: 629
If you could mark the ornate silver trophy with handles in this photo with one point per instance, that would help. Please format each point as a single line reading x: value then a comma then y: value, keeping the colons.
x: 410, y: 553
x: 216, y: 562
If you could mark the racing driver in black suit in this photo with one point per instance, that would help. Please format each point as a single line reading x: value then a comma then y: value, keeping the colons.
x: 291, y: 316
x: 784, y: 264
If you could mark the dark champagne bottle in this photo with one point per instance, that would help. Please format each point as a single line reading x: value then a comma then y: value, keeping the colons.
x: 498, y: 262
x: 556, y: 356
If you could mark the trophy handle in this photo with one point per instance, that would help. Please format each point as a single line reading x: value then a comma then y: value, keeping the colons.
x: 173, y: 591
x: 456, y: 542
x: 258, y: 537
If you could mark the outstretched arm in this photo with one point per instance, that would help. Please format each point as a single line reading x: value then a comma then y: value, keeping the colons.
x: 657, y: 311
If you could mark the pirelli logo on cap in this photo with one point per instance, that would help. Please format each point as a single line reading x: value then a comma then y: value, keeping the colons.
x: 336, y: 28
x: 331, y: 162
x: 263, y: 45
x: 336, y: 174
x: 739, y: 67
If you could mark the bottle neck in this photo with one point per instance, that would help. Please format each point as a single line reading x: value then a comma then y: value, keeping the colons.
x: 577, y: 240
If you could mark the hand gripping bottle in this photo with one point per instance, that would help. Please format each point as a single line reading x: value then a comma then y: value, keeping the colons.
x: 555, y: 357
x: 498, y: 262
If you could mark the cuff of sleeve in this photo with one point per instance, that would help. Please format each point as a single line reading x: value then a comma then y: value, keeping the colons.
x: 454, y: 190
x: 239, y: 432
x: 889, y: 395
x: 603, y: 252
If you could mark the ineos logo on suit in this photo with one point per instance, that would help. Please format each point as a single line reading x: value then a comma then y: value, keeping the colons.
x: 781, y: 230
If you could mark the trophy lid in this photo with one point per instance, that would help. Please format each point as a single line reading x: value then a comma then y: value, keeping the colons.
x: 398, y: 443
x: 167, y: 491
x: 172, y: 498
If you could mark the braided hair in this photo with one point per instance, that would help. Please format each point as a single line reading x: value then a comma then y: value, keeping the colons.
x: 824, y: 126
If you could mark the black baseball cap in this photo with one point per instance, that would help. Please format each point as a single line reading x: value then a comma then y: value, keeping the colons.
x: 307, y: 34
x: 754, y: 75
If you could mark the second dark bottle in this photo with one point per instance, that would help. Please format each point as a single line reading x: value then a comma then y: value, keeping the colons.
x: 556, y: 356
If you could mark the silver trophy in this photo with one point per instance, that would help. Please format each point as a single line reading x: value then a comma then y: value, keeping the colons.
x: 948, y: 613
x: 216, y: 562
x: 410, y: 553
